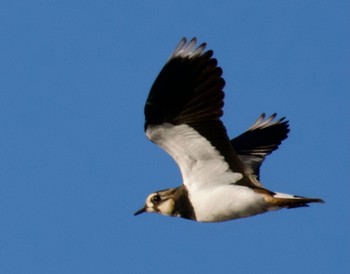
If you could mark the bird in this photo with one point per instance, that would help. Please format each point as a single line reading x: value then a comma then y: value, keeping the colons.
x: 220, y: 176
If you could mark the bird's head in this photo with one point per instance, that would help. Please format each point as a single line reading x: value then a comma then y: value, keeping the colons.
x: 162, y: 202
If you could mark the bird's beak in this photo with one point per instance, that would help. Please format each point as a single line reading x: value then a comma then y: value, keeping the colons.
x: 142, y: 210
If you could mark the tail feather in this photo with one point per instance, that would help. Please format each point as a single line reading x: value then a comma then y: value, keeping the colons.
x: 281, y: 200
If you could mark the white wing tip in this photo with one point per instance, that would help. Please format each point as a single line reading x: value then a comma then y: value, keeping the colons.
x: 262, y: 123
x: 189, y: 49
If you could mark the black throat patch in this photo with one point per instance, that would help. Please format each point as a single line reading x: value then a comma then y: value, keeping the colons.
x: 183, y: 206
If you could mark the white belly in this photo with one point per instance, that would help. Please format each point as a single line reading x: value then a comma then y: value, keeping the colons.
x: 225, y: 202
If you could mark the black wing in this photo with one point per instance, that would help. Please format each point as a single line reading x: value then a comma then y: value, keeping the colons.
x: 186, y: 101
x: 260, y: 140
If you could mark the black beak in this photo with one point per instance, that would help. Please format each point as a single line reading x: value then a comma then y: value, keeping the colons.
x: 142, y: 210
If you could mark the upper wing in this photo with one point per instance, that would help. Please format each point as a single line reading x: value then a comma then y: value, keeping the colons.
x: 260, y: 140
x: 183, y: 113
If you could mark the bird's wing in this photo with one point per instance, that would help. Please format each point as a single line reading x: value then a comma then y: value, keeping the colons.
x: 183, y: 113
x: 260, y: 140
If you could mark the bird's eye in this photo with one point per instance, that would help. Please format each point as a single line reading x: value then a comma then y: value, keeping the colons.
x: 156, y: 198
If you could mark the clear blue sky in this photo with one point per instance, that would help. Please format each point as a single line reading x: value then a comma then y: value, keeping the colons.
x: 75, y: 164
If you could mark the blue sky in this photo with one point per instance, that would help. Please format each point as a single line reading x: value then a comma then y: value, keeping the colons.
x: 75, y: 164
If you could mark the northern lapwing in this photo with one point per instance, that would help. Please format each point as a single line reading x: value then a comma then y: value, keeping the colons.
x: 220, y: 176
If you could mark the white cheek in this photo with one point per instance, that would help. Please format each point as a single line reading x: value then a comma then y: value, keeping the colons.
x: 149, y: 206
x: 167, y: 207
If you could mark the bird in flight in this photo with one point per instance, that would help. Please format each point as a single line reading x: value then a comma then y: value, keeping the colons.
x: 220, y: 176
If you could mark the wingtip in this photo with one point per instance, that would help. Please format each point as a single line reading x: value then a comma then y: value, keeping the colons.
x: 188, y: 49
x: 262, y: 123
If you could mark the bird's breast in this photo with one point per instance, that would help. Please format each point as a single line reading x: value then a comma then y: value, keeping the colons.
x: 225, y: 202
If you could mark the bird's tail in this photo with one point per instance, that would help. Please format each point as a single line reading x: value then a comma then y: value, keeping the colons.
x: 282, y: 200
